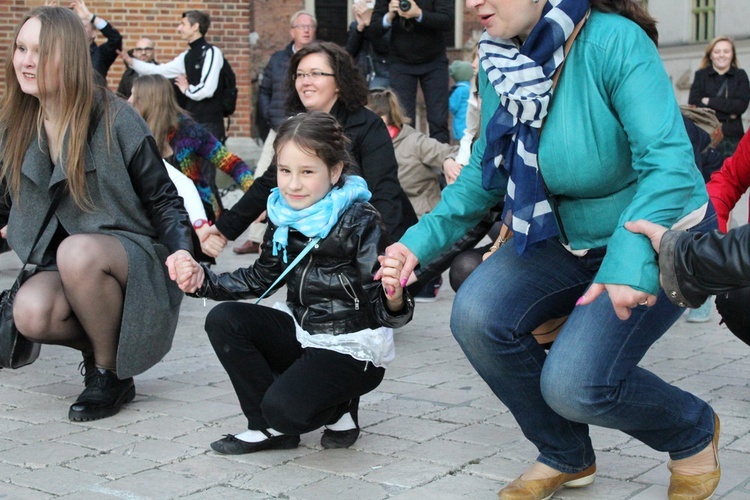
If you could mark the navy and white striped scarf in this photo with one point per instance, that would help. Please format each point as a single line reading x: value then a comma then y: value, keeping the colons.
x: 522, y: 78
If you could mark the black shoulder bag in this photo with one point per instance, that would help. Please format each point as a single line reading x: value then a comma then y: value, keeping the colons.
x: 15, y: 349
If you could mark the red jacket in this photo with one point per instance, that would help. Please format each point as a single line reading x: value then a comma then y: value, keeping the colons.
x: 731, y: 181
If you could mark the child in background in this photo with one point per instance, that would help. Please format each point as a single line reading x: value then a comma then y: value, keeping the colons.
x: 305, y: 363
x: 462, y: 73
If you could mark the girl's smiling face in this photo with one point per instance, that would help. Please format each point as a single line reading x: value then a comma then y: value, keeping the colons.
x: 26, y: 58
x: 303, y: 178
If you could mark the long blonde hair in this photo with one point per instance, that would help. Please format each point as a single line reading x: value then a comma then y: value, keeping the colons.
x: 153, y: 98
x: 61, y: 39
x: 706, y: 61
x: 386, y: 103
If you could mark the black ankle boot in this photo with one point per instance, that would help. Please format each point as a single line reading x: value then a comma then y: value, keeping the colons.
x: 87, y: 367
x: 103, y: 397
x: 342, y: 439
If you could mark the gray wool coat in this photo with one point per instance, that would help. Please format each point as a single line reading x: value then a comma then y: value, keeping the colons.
x: 133, y: 200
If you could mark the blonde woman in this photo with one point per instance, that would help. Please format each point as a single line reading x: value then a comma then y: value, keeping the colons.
x: 721, y: 85
x: 100, y: 284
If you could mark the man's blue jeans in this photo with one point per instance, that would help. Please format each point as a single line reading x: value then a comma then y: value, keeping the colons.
x: 591, y: 373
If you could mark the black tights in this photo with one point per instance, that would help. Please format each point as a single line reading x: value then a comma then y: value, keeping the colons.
x: 80, y: 304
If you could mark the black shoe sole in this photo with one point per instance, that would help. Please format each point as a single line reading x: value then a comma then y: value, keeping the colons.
x: 238, y: 447
x: 97, y: 413
x: 338, y: 439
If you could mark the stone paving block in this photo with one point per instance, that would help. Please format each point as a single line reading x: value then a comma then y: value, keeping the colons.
x: 624, y: 468
x: 57, y: 480
x: 607, y: 489
x: 204, y: 411
x: 197, y: 394
x: 14, y: 492
x: 210, y: 467
x: 651, y: 492
x: 8, y: 471
x: 346, y: 462
x: 147, y: 406
x: 61, y: 390
x: 407, y: 407
x: 52, y: 410
x: 98, y: 439
x: 157, y: 450
x: 278, y: 480
x: 8, y: 426
x: 607, y: 439
x: 381, y: 445
x: 158, y: 387
x: 51, y: 431
x: 225, y: 493
x: 397, y: 387
x: 340, y: 487
x: 499, y: 468
x: 407, y: 473
x: 462, y: 415
x: 430, y: 376
x: 412, y: 429
x: 446, y: 395
x: 38, y: 456
x: 443, y: 451
x: 735, y: 470
x: 151, y: 484
x: 110, y: 465
x: 162, y: 427
x: 16, y: 398
x: 489, y: 403
x: 452, y: 487
x: 204, y: 376
x: 736, y: 392
x: 485, y: 434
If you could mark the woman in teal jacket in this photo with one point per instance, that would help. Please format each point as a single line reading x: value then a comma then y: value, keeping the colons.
x: 614, y: 149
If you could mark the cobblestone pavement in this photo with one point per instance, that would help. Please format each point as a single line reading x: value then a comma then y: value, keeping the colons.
x: 431, y: 430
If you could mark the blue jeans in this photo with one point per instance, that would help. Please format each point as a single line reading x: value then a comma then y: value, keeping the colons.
x: 591, y: 373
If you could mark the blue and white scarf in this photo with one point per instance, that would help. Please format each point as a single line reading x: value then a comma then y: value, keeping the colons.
x: 522, y: 78
x: 317, y: 219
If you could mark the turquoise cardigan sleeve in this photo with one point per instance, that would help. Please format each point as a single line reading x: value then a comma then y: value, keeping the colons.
x: 463, y: 203
x: 668, y: 184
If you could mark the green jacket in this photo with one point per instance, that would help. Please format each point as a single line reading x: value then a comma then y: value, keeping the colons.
x: 614, y: 148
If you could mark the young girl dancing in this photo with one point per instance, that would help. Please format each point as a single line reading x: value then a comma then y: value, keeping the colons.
x: 304, y: 364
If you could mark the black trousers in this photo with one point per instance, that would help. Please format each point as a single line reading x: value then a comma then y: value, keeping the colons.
x: 278, y: 383
x: 433, y: 78
x: 208, y: 169
x: 734, y: 308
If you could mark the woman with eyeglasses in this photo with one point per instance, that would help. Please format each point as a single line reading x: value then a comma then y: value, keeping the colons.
x: 324, y: 77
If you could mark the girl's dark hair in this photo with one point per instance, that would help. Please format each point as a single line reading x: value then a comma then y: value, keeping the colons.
x: 353, y: 90
x: 633, y: 11
x: 317, y: 133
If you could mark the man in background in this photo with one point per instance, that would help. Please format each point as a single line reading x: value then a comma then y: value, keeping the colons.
x: 143, y: 51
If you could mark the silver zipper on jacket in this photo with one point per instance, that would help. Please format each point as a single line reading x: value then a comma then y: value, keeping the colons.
x: 349, y: 289
x: 301, y: 287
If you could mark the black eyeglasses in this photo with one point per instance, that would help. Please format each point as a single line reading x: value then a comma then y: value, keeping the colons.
x: 312, y: 75
x: 143, y: 49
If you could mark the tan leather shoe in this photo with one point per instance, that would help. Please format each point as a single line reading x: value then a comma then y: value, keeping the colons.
x: 248, y: 247
x: 542, y: 489
x: 702, y: 486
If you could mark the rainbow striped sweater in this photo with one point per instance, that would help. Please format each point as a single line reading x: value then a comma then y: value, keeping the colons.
x: 190, y: 143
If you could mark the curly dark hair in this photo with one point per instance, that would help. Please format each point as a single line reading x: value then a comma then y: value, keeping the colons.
x: 353, y: 92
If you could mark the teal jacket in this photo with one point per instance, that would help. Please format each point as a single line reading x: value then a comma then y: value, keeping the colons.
x: 613, y: 149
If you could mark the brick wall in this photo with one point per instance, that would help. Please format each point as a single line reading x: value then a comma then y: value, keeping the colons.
x: 231, y: 23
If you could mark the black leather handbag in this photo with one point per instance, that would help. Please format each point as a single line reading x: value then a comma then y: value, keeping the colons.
x: 15, y: 349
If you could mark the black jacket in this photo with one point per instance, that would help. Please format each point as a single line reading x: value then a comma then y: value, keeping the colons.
x: 370, y: 53
x: 331, y: 290
x: 415, y: 42
x: 372, y: 149
x: 272, y: 89
x: 102, y: 56
x: 732, y: 102
x: 207, y: 110
x: 694, y: 265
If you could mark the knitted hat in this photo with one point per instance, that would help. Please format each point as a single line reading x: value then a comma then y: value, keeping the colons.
x: 461, y: 71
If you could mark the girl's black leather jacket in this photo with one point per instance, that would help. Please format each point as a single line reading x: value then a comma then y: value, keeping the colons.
x: 693, y: 265
x: 332, y: 289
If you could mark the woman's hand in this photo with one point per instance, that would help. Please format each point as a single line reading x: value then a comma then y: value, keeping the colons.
x: 451, y: 169
x: 391, y: 280
x: 185, y: 271
x: 212, y: 241
x: 408, y: 260
x: 182, y: 83
x: 125, y: 56
x: 654, y: 232
x: 4, y: 232
x: 623, y: 297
